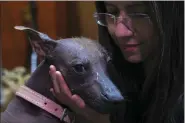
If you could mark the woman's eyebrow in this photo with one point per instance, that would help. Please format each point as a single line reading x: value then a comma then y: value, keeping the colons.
x: 129, y: 6
x: 109, y: 4
x: 135, y: 5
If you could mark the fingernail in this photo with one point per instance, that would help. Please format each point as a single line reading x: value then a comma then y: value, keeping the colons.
x: 58, y: 72
x: 59, y: 75
x: 51, y: 66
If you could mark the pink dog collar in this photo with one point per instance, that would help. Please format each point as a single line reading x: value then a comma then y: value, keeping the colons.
x: 42, y: 102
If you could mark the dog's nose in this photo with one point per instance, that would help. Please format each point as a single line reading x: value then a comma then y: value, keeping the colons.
x: 113, y: 96
x: 108, y: 90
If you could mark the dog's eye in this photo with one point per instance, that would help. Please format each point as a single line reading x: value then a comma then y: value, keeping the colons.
x: 79, y: 68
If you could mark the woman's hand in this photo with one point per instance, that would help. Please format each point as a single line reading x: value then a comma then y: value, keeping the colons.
x: 61, y: 91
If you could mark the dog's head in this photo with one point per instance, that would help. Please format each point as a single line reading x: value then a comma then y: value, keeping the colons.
x: 85, y: 66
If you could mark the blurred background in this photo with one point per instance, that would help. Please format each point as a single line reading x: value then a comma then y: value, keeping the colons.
x: 59, y: 19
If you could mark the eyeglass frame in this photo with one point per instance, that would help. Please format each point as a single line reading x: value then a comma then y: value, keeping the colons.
x: 95, y: 15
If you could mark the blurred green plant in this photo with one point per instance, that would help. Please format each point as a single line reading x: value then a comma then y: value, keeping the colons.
x: 11, y: 81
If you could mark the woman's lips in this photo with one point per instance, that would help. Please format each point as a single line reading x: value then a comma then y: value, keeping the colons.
x: 130, y: 47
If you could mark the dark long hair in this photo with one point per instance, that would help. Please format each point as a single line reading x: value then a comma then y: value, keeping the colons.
x: 158, y: 97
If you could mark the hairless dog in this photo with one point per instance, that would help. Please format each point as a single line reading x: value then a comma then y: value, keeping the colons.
x: 86, y: 67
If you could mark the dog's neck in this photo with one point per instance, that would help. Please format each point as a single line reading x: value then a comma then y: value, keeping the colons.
x: 21, y: 109
x: 40, y: 80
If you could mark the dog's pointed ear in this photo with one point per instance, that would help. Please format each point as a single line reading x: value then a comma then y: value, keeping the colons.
x: 41, y: 43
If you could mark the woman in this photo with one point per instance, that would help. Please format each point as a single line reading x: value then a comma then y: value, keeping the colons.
x: 146, y: 42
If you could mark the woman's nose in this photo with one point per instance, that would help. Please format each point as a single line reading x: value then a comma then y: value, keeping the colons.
x: 122, y: 30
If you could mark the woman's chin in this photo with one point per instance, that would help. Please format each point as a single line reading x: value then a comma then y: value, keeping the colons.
x: 134, y: 59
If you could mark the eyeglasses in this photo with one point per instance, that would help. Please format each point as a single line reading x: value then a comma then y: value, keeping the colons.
x: 105, y: 19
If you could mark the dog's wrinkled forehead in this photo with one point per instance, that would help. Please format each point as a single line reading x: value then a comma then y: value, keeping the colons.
x: 79, y: 48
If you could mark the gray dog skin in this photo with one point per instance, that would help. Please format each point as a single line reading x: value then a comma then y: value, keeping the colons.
x: 85, y: 66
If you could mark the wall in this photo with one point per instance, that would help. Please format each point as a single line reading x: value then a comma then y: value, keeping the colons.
x: 88, y: 26
x: 80, y: 19
x: 14, y: 47
x: 57, y: 19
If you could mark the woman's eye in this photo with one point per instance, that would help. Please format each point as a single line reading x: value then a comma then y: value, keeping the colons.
x: 112, y: 10
x: 79, y: 68
x: 116, y: 13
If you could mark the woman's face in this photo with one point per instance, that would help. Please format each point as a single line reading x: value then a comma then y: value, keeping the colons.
x: 134, y: 35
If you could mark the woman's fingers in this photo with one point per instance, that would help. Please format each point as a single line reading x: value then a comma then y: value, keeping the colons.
x: 63, y: 86
x: 52, y: 73
x: 78, y: 101
x: 61, y: 91
x: 80, y: 107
